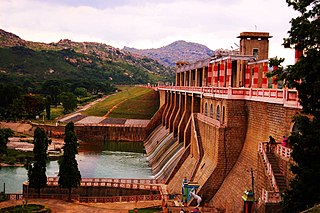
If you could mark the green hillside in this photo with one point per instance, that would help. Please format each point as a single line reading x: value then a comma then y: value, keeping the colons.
x: 130, y: 102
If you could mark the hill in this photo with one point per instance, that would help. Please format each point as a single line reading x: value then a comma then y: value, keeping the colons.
x: 33, y: 64
x: 176, y: 51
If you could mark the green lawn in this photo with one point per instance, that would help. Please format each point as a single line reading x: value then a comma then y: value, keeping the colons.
x: 130, y: 102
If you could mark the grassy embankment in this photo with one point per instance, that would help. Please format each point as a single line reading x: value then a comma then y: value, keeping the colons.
x: 130, y: 103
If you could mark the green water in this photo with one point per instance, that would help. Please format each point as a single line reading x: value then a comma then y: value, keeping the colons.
x: 95, y: 160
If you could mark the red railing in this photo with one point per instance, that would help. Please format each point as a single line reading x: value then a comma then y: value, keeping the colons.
x: 270, y: 197
x: 287, y: 97
x: 113, y: 199
x: 268, y: 166
x: 14, y: 196
x: 146, y: 184
x: 283, y: 152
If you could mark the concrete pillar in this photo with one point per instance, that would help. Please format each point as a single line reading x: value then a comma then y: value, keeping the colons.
x: 255, y: 76
x: 248, y: 76
x: 169, y: 110
x: 229, y: 72
x: 215, y: 74
x: 174, y: 111
x: 179, y: 113
x: 165, y: 111
x: 222, y: 75
x: 185, y: 116
x: 264, y: 76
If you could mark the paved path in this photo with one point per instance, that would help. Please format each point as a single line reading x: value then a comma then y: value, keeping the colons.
x: 58, y: 206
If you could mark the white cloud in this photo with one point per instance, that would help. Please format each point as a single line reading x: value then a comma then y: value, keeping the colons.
x: 148, y: 24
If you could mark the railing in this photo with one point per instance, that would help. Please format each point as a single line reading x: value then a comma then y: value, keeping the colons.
x: 270, y: 197
x: 268, y: 166
x: 146, y: 184
x: 54, y: 196
x: 283, y: 152
x: 116, y: 180
x: 113, y: 199
x: 14, y: 196
x: 109, y: 199
x: 287, y: 97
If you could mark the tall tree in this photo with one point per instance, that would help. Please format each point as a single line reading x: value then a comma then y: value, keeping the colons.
x: 37, y: 173
x: 69, y: 174
x: 304, y: 35
x: 5, y: 133
x: 48, y: 107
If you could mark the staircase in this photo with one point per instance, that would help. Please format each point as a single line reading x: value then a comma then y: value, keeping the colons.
x: 280, y: 179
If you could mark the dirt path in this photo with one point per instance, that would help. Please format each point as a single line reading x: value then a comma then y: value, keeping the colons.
x: 58, y: 206
x: 114, y: 107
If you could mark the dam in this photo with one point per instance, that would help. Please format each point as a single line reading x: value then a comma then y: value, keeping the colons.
x: 214, y: 124
x: 212, y: 127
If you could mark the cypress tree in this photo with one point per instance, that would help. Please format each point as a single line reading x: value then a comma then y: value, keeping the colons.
x: 37, y: 172
x: 69, y: 174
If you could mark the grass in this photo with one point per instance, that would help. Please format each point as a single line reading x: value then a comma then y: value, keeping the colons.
x: 130, y: 102
x: 26, y: 208
x: 15, y: 156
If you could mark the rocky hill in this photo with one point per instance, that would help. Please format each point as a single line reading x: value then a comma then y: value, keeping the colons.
x: 88, y: 62
x: 176, y: 51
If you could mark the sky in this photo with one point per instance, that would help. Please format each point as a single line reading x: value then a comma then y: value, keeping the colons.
x: 149, y: 23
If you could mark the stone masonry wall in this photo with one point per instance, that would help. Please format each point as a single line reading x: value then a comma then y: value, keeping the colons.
x: 263, y: 119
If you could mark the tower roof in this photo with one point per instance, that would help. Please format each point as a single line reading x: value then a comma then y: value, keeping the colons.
x: 254, y: 35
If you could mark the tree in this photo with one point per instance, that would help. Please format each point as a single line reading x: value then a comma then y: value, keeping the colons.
x: 81, y: 92
x: 5, y: 133
x: 69, y: 174
x: 33, y: 105
x: 304, y: 35
x: 48, y: 107
x: 68, y: 100
x: 37, y: 173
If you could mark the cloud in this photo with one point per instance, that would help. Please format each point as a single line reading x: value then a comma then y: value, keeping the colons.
x: 146, y: 24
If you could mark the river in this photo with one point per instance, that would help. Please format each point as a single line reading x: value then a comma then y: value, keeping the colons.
x: 95, y: 160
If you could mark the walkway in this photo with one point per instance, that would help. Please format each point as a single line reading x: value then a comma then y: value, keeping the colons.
x: 58, y: 206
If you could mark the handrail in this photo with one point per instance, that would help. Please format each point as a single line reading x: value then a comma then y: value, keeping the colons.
x: 285, y: 96
x: 268, y: 165
x: 270, y: 197
x: 116, y: 180
x: 283, y: 152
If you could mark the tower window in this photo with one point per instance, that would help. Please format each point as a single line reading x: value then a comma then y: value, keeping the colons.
x: 255, y: 52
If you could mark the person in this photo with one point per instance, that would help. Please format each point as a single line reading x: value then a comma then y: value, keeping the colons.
x: 284, y: 141
x: 271, y: 143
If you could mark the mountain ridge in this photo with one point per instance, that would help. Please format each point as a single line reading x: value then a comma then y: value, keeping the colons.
x: 24, y: 59
x: 176, y: 51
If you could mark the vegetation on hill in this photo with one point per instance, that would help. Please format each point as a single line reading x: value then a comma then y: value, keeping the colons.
x: 176, y: 51
x: 304, y: 191
x: 85, y: 69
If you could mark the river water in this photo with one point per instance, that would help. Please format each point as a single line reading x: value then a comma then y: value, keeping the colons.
x: 95, y: 160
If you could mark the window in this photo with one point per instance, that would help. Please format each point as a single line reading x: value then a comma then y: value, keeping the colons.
x: 206, y: 109
x: 223, y: 114
x: 218, y: 113
x: 255, y: 52
x: 211, y: 111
